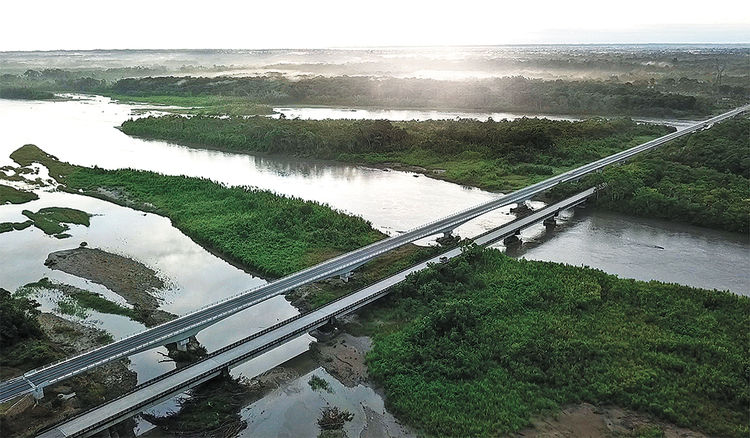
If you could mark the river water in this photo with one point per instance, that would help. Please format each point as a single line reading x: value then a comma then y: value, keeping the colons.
x: 82, y: 131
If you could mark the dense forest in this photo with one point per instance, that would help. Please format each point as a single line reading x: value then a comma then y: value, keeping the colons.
x: 496, y: 155
x: 659, y: 97
x: 22, y: 93
x: 703, y: 179
x: 477, y: 346
x: 498, y: 94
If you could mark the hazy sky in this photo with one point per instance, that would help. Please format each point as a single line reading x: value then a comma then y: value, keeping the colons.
x: 84, y: 24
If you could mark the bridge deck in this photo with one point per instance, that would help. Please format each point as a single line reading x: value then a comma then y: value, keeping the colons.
x: 163, y: 387
x: 181, y: 327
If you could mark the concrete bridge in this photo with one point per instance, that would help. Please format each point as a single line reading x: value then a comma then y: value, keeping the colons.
x: 163, y: 387
x: 182, y: 328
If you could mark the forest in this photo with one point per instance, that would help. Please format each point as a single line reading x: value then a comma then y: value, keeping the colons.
x: 498, y: 94
x: 685, y: 90
x: 479, y: 345
x: 496, y: 155
x: 702, y: 179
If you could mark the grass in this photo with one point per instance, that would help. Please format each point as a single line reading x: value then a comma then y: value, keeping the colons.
x: 77, y: 300
x: 202, y: 105
x: 479, y: 345
x: 53, y: 220
x: 17, y: 226
x: 15, y: 196
x: 264, y: 232
x: 318, y: 383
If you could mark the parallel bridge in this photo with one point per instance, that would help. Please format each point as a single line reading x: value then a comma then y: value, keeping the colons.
x: 178, y: 330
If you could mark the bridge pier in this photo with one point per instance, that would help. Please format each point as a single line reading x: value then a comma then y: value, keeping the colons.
x: 550, y: 222
x: 346, y: 276
x: 513, y: 241
x: 183, y: 344
x: 521, y: 210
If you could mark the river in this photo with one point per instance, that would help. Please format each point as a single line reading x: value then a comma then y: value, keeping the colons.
x: 82, y: 131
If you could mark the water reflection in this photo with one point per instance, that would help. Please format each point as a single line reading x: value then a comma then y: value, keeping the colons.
x: 644, y: 249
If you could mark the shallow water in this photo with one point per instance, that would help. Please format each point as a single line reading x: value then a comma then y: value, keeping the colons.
x: 645, y: 249
x: 318, y: 113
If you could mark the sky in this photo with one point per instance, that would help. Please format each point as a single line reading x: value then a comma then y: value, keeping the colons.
x: 168, y: 24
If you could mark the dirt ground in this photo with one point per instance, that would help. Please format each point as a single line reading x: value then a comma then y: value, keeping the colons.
x: 130, y: 279
x: 344, y: 357
x: 588, y: 421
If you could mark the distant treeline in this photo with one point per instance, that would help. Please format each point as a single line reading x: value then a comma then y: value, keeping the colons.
x: 24, y: 94
x: 703, y: 179
x: 665, y: 96
x: 499, y: 94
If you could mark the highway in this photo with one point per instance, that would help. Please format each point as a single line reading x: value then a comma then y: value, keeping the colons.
x: 191, y: 323
x: 167, y: 385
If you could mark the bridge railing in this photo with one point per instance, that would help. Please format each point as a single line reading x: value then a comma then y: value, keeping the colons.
x: 454, y: 219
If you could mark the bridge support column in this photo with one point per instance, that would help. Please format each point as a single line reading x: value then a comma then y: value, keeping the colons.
x: 521, y: 210
x: 182, y: 345
x: 225, y: 372
x: 513, y: 241
x: 346, y: 276
x: 550, y: 222
x: 37, y: 391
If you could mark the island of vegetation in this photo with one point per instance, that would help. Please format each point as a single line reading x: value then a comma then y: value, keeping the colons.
x: 478, y: 346
x: 495, y: 155
x: 259, y: 230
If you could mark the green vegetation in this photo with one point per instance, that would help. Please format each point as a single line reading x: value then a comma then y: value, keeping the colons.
x: 77, y: 300
x: 25, y: 94
x: 22, y: 342
x: 497, y: 94
x: 703, y: 179
x: 317, y: 383
x: 270, y: 234
x: 17, y: 319
x: 477, y: 346
x: 12, y: 195
x: 267, y: 233
x: 318, y: 294
x: 10, y: 226
x: 202, y: 105
x: 53, y: 220
x: 494, y: 155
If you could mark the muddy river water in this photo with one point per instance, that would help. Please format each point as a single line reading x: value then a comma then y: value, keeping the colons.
x: 81, y: 131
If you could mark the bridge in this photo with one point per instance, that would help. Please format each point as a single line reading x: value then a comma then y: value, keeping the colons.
x: 163, y: 387
x: 182, y: 328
